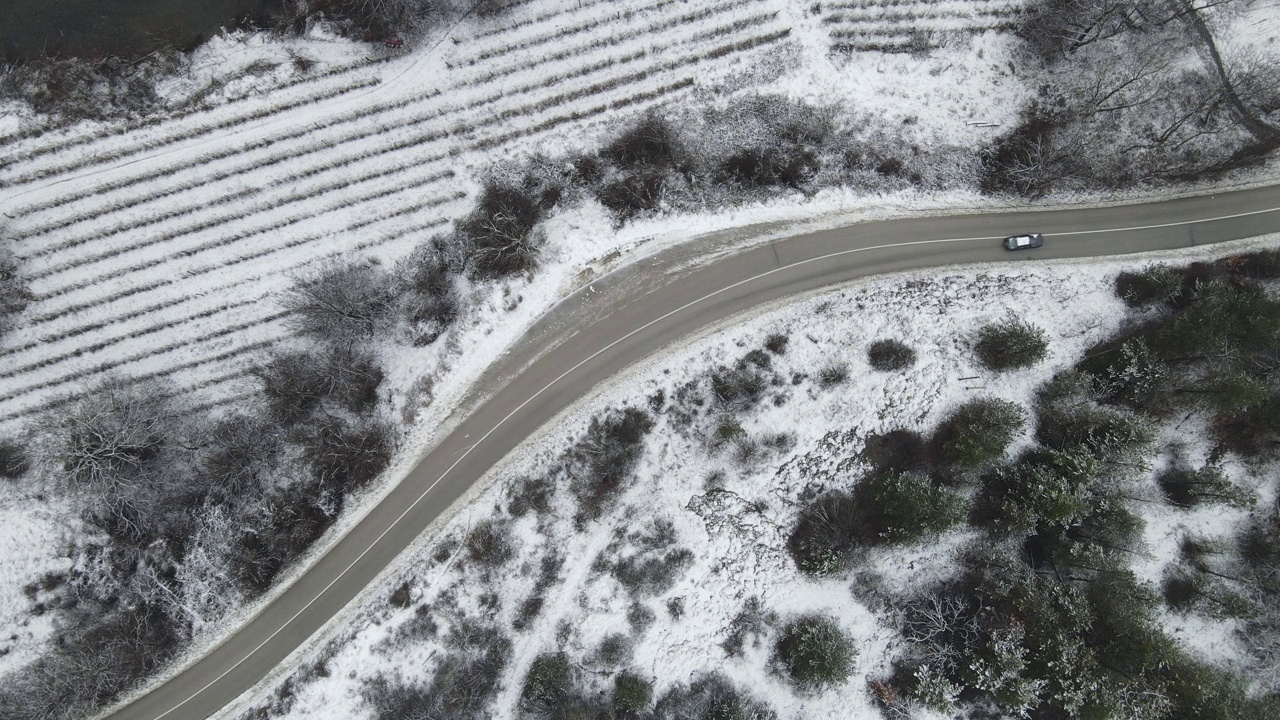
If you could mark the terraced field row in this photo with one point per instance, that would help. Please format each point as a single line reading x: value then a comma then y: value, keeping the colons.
x: 912, y: 25
x: 156, y: 251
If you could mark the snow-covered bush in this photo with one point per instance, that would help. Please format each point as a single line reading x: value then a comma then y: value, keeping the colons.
x: 344, y: 455
x: 1010, y: 345
x: 832, y: 375
x: 297, y: 383
x: 426, y: 291
x: 751, y: 624
x: 530, y: 494
x: 741, y: 386
x: 650, y: 561
x: 815, y: 653
x: 498, y: 236
x: 1208, y: 485
x: 890, y: 355
x: 462, y: 685
x: 1159, y: 283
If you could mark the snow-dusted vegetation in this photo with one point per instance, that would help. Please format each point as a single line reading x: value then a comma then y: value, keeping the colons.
x: 771, y: 523
x: 220, y: 313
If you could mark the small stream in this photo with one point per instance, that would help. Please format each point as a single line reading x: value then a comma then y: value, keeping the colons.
x: 123, y: 28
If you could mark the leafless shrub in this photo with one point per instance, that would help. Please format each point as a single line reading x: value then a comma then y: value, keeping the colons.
x: 426, y: 292
x: 751, y: 624
x: 604, y: 459
x: 13, y: 460
x: 462, y: 686
x: 712, y: 696
x: 120, y: 447
x: 489, y: 543
x: 499, y: 233
x: 295, y: 383
x: 339, y: 301
x: 346, y: 455
x: 238, y: 454
x: 14, y: 294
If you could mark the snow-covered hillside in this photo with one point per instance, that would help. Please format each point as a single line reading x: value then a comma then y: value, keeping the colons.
x: 154, y: 251
x: 732, y: 502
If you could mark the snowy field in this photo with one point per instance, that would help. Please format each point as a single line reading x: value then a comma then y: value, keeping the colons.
x: 735, y: 514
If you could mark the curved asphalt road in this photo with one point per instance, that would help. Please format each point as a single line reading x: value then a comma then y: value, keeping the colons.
x: 631, y: 314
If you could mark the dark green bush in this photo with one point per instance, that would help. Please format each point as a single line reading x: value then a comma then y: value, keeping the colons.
x: 632, y: 695
x: 614, y: 650
x: 1105, y: 433
x: 898, y: 451
x: 978, y: 432
x: 548, y: 683
x: 1043, y: 486
x: 815, y: 653
x: 1154, y: 284
x: 826, y: 534
x: 903, y: 508
x: 1010, y: 345
x: 13, y: 460
x: 890, y: 355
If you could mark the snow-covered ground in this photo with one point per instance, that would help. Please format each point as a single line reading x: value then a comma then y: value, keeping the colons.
x: 735, y: 514
x: 157, y: 249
